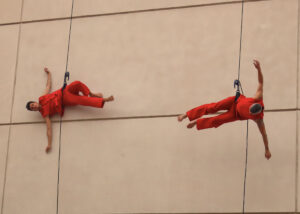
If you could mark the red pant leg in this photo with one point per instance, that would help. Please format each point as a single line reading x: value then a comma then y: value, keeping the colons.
x: 205, y: 123
x: 70, y: 99
x: 76, y: 87
x: 211, y: 108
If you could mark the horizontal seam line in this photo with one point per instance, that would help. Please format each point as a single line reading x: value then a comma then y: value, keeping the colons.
x: 127, y: 118
x: 130, y: 12
x: 214, y: 213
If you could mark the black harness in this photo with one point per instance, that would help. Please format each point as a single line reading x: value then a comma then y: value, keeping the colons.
x: 67, y: 76
x: 237, y: 84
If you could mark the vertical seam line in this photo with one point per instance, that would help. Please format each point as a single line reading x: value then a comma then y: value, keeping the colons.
x: 297, y: 119
x: 12, y: 106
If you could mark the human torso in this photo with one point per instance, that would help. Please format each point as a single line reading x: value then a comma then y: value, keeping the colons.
x: 243, y: 106
x: 51, y: 103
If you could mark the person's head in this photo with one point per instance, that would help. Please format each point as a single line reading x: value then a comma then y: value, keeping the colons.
x: 255, y: 108
x: 32, y: 106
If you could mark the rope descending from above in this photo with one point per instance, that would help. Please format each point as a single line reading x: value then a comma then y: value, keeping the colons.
x: 238, y: 84
x: 67, y: 76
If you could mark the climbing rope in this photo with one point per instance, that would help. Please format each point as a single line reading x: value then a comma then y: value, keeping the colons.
x: 238, y: 84
x: 241, y: 37
x: 67, y: 76
x: 246, y: 163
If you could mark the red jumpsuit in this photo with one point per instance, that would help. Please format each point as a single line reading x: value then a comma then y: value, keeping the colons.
x: 52, y: 103
x: 238, y: 110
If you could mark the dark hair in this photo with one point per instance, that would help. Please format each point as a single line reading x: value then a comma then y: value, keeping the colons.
x: 255, y: 108
x: 28, y: 105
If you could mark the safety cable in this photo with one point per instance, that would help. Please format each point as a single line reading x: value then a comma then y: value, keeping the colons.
x: 246, y: 163
x: 60, y: 122
x: 241, y: 37
x: 239, y: 70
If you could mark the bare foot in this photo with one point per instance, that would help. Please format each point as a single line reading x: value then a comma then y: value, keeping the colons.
x: 191, y: 125
x: 99, y: 95
x: 181, y: 117
x: 110, y: 98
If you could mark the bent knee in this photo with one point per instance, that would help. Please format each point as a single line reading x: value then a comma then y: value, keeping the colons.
x: 76, y: 82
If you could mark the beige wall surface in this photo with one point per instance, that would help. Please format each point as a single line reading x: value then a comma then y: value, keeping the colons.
x: 3, y: 155
x: 297, y: 189
x: 10, y: 11
x: 86, y: 7
x: 8, y: 55
x: 182, y: 171
x: 171, y: 60
x: 44, y: 9
x: 133, y: 156
x: 31, y: 184
x: 271, y: 184
x: 151, y: 165
x: 298, y: 53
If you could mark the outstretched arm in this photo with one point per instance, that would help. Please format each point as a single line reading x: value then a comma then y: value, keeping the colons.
x: 259, y: 92
x: 262, y: 129
x: 49, y: 134
x: 48, y: 86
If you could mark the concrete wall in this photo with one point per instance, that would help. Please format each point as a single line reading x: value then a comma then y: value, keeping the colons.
x: 159, y: 58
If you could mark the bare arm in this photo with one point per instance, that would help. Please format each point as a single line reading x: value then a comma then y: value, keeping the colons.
x: 259, y: 92
x: 48, y: 86
x: 49, y: 133
x: 262, y: 129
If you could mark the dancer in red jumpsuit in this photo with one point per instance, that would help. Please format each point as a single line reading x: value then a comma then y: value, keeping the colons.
x: 52, y: 103
x: 242, y: 109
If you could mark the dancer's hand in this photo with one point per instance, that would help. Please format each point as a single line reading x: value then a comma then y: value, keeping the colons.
x: 181, y: 117
x: 110, y: 98
x: 268, y: 154
x: 48, y: 149
x: 46, y: 70
x: 256, y: 64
